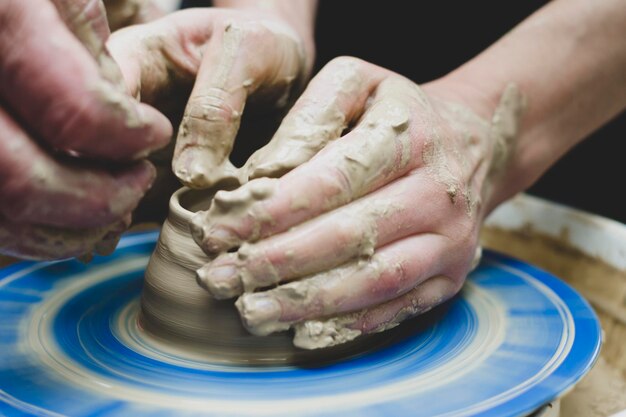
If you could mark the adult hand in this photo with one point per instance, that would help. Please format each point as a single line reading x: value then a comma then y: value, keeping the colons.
x: 62, y: 100
x: 379, y: 226
x: 230, y: 56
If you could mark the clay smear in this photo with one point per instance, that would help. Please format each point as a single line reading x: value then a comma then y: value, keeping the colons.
x: 464, y: 152
x: 208, y: 129
x: 307, y: 129
x: 462, y: 161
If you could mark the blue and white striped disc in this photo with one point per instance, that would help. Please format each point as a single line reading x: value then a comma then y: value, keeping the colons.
x: 514, y: 339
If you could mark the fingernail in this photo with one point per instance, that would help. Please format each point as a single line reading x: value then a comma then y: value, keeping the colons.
x: 189, y: 167
x: 211, y: 238
x: 221, y: 282
x: 260, y: 314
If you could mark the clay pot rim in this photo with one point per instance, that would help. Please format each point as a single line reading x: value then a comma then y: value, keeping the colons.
x: 180, y: 208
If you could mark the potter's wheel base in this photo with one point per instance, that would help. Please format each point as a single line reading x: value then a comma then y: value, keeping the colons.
x: 515, y: 338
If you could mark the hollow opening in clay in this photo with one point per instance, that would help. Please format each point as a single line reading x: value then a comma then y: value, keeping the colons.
x: 195, y: 200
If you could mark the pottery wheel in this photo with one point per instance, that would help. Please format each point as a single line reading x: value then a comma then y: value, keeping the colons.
x: 514, y: 339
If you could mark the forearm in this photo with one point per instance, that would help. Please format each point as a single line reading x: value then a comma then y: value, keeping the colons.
x: 300, y: 14
x: 569, y: 62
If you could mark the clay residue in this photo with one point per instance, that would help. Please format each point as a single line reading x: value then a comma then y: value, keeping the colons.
x: 600, y: 394
x: 315, y: 334
x: 307, y: 129
x: 463, y: 158
x: 298, y: 139
x: 322, y: 333
x: 600, y: 283
x: 505, y: 125
x: 201, y: 155
x: 118, y: 101
x: 210, y: 123
x: 39, y: 242
x: 210, y: 229
x: 316, y: 296
x: 378, y: 150
x: 251, y: 269
x: 179, y: 321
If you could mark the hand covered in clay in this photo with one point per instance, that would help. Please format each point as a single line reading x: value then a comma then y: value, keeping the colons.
x: 230, y: 56
x: 70, y: 135
x: 122, y: 13
x: 379, y: 225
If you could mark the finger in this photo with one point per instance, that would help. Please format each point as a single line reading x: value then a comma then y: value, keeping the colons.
x: 391, y: 272
x: 163, y: 57
x: 37, y: 188
x: 37, y: 242
x: 54, y: 85
x: 330, y: 240
x: 88, y: 22
x: 315, y: 334
x: 379, y: 150
x: 111, y: 238
x: 333, y: 100
x: 240, y: 60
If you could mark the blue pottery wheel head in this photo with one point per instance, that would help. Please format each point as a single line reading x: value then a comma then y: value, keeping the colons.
x: 514, y: 339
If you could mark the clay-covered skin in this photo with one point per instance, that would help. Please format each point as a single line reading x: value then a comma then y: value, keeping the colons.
x: 374, y: 226
x: 97, y: 118
x: 412, y: 180
x: 229, y: 57
x: 70, y: 135
x: 68, y: 103
x: 211, y: 120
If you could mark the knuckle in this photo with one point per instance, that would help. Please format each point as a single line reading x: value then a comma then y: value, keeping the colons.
x: 389, y: 279
x: 74, y: 123
x: 344, y: 62
x: 347, y: 231
x: 212, y: 106
x: 336, y: 182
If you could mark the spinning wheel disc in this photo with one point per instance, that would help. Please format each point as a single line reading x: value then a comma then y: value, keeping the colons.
x: 514, y: 339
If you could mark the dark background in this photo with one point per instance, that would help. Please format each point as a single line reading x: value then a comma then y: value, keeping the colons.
x: 423, y: 40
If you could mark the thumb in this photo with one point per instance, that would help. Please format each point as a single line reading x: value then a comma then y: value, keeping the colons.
x: 334, y: 99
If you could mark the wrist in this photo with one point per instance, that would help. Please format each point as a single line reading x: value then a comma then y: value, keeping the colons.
x: 497, y: 141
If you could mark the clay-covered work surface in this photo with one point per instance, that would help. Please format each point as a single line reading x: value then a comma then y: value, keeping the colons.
x: 71, y: 345
x: 603, y: 391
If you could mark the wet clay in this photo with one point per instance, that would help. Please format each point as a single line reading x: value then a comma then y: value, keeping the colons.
x: 175, y: 311
x: 39, y: 242
x: 364, y: 165
x: 89, y: 26
x: 210, y: 123
x: 308, y: 127
x: 227, y: 208
x: 378, y: 149
x: 486, y: 146
x: 601, y: 392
